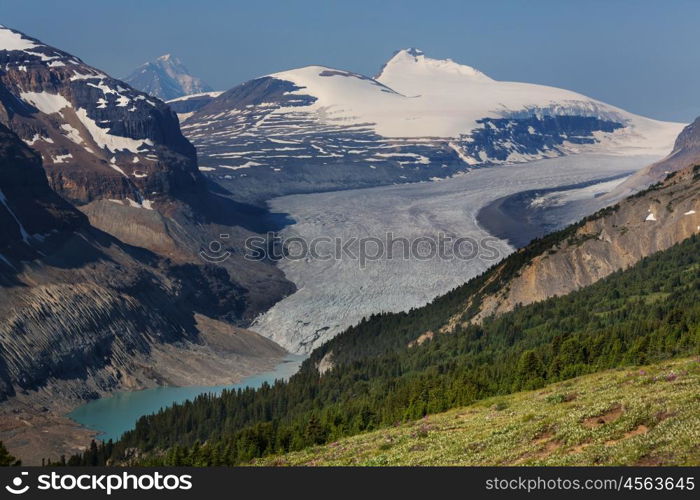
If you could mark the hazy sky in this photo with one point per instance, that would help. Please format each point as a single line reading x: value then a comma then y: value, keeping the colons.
x: 642, y: 56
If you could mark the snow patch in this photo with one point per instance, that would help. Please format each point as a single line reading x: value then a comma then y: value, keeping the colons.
x: 62, y: 158
x: 72, y: 133
x: 10, y: 40
x: 46, y: 102
x: 104, y: 139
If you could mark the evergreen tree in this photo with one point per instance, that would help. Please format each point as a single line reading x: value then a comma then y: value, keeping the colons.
x: 6, y: 459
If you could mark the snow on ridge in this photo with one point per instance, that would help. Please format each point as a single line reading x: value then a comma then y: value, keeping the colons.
x: 104, y: 139
x: 416, y: 96
x: 213, y: 94
x: 13, y: 40
x: 54, y: 103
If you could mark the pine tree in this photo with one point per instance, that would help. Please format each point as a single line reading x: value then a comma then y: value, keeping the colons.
x: 6, y: 459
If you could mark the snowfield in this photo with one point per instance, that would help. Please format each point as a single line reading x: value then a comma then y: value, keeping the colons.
x: 335, y: 294
x: 317, y: 128
x: 415, y: 96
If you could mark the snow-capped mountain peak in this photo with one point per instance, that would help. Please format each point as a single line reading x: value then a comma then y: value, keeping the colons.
x: 15, y: 41
x: 420, y: 118
x: 412, y: 69
x: 166, y: 78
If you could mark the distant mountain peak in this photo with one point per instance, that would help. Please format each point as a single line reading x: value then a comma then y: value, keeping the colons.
x: 166, y: 78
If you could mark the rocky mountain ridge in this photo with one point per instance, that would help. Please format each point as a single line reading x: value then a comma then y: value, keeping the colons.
x: 613, y: 239
x: 98, y: 137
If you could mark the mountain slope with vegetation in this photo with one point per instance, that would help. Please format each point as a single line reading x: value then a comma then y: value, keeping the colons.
x: 619, y: 288
x: 613, y: 239
x: 643, y: 416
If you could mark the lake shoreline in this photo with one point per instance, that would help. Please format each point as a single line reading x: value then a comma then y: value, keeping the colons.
x: 109, y: 417
x: 36, y: 424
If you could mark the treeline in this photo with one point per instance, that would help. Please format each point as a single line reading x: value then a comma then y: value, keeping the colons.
x: 641, y: 315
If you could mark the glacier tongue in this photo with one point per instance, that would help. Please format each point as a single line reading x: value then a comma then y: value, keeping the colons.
x: 335, y: 294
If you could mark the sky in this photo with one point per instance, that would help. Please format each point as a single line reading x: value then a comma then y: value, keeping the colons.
x: 639, y: 55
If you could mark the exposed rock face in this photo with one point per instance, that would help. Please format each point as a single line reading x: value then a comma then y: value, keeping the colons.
x: 30, y: 212
x: 113, y: 295
x: 78, y: 304
x: 166, y: 78
x: 614, y: 239
x: 686, y: 152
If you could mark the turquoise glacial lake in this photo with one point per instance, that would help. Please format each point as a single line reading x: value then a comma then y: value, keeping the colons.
x: 116, y: 414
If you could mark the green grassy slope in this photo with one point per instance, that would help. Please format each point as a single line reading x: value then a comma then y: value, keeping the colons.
x: 644, y: 416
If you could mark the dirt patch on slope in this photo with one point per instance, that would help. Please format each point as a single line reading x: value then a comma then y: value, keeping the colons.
x: 609, y: 416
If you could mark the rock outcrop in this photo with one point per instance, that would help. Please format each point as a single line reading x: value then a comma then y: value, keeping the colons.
x: 98, y: 137
x: 685, y: 153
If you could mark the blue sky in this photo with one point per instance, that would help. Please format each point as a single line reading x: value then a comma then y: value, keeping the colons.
x: 640, y: 55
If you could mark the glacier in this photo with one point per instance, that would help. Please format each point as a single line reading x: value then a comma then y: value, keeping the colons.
x: 335, y: 294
